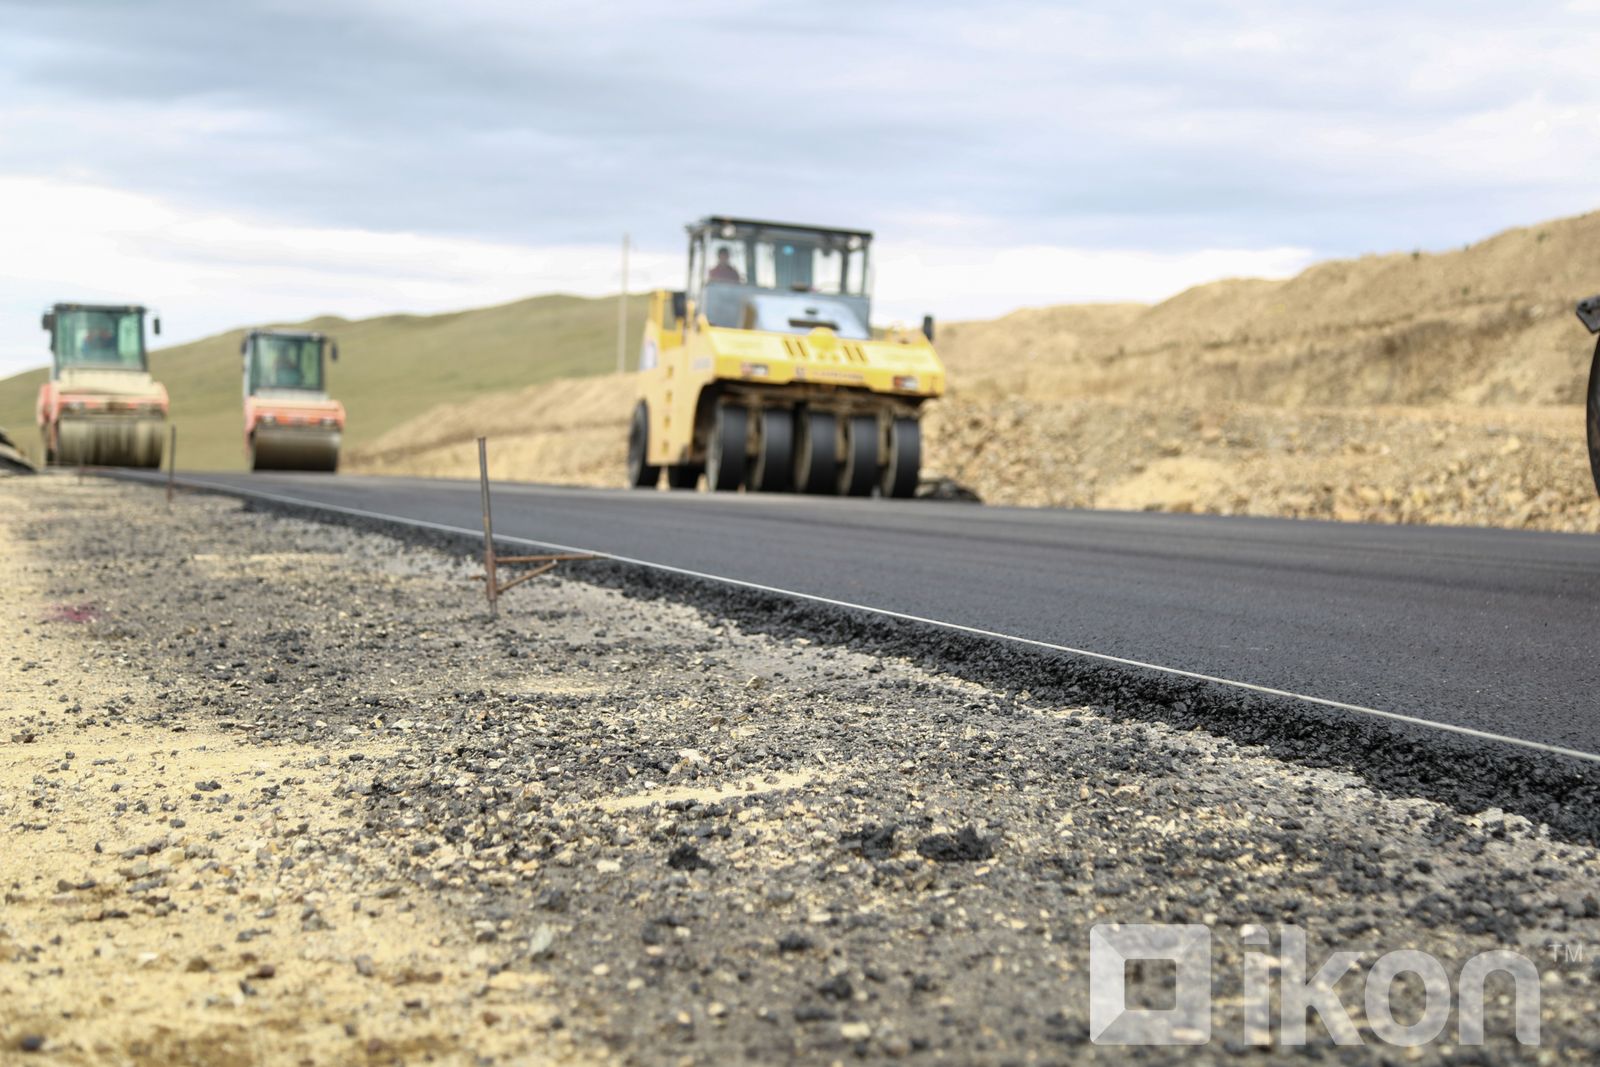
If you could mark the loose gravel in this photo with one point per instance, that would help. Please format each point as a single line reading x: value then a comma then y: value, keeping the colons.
x: 350, y: 817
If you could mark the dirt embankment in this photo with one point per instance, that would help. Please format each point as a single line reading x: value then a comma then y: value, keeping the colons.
x: 286, y: 795
x: 1402, y: 388
x: 572, y: 432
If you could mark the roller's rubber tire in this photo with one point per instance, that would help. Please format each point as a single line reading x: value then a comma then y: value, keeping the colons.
x: 641, y: 475
x: 773, y: 470
x: 860, y: 471
x: 725, y: 454
x: 684, y: 475
x: 1593, y: 417
x: 816, y: 453
x: 904, y: 462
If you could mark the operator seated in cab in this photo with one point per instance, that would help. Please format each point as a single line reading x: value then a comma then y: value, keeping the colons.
x: 724, y: 270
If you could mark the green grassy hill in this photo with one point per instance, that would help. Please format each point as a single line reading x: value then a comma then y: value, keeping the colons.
x: 390, y: 369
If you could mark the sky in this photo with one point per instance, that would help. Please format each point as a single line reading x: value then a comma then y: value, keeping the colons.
x: 270, y: 160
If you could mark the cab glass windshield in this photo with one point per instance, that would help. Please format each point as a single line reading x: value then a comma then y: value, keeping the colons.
x: 834, y: 264
x: 100, y: 339
x: 287, y: 363
x: 803, y: 267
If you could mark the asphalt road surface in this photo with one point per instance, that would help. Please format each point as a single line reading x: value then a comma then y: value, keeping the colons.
x: 1490, y: 630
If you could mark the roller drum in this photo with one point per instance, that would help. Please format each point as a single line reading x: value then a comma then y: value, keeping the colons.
x: 110, y: 442
x: 294, y: 450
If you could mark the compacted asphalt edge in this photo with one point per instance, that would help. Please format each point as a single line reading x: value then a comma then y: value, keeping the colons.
x: 1470, y: 770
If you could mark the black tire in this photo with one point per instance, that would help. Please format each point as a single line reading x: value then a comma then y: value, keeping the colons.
x: 641, y: 475
x: 725, y: 456
x: 1594, y: 417
x: 904, y: 461
x: 773, y: 470
x: 684, y: 475
x: 860, y: 471
x: 816, y: 453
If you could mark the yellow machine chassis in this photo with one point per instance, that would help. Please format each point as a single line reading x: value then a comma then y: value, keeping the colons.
x: 700, y: 366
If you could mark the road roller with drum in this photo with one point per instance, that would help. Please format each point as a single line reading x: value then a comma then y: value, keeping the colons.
x: 100, y: 407
x: 290, y: 424
x: 1589, y: 315
x: 766, y: 374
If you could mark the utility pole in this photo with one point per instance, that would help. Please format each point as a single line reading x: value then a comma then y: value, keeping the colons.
x: 622, y: 312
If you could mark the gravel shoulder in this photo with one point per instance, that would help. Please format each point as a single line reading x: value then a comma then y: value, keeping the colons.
x: 279, y: 791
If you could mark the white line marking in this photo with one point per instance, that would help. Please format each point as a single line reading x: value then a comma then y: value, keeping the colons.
x: 1393, y: 716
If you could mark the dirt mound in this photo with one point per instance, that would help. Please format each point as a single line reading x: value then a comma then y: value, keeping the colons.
x: 1411, y: 387
x: 571, y: 432
x: 1491, y: 324
x: 1497, y: 466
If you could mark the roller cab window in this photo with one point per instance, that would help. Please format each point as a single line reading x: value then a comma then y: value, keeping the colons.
x: 287, y: 363
x: 818, y: 263
x: 94, y: 339
x: 799, y: 266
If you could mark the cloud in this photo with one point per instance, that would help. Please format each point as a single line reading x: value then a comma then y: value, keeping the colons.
x: 208, y: 272
x: 491, y: 139
x: 1168, y: 125
x: 963, y: 282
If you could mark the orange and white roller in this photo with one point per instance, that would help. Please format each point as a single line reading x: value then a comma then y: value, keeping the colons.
x: 100, y: 407
x: 290, y: 423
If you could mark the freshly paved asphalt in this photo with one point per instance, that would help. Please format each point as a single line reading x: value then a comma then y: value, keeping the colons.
x: 1492, y: 630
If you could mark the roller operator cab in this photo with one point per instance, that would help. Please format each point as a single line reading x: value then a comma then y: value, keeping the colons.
x: 289, y: 421
x: 100, y: 407
x: 765, y: 371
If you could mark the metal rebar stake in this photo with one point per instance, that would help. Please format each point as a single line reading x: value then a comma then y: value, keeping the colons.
x: 172, y: 463
x: 492, y: 585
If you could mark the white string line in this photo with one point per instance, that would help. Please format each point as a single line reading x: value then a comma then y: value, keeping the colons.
x: 976, y: 631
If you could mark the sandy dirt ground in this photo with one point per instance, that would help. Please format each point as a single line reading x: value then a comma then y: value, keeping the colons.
x: 162, y: 904
x: 280, y: 792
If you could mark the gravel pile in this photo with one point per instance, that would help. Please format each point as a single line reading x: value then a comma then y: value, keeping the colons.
x: 645, y: 832
x: 1512, y: 468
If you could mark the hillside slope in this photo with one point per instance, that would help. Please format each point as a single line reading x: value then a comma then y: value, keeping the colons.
x: 391, y: 369
x: 1411, y: 387
x: 1490, y: 324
